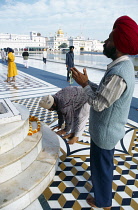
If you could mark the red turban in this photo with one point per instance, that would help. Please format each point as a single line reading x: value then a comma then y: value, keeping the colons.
x: 125, y: 35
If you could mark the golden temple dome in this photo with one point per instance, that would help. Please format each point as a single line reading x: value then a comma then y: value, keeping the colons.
x: 60, y: 31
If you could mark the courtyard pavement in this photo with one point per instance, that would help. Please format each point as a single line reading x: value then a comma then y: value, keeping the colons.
x: 71, y: 183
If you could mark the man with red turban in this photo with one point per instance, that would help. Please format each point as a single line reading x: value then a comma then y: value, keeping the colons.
x: 110, y: 103
x: 125, y: 35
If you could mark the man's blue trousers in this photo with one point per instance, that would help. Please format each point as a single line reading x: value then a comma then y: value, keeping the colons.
x: 101, y: 164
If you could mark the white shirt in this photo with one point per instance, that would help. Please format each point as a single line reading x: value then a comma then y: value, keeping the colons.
x: 44, y: 54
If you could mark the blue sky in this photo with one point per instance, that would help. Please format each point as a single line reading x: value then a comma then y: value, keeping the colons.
x: 90, y: 18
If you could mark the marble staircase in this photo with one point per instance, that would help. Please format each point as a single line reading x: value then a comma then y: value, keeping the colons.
x: 27, y: 163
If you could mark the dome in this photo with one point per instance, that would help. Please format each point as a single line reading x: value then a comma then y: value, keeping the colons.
x: 60, y: 31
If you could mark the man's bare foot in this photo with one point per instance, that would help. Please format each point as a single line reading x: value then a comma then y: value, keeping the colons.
x: 73, y: 140
x: 91, y: 201
x: 70, y: 135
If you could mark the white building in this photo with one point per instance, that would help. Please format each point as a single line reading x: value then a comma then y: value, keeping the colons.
x: 34, y: 41
x: 55, y: 41
x: 19, y: 42
x: 80, y: 43
x: 97, y: 46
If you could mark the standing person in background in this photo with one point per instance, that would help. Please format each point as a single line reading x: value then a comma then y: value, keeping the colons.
x: 7, y: 55
x: 110, y: 103
x: 3, y: 55
x: 25, y: 55
x: 12, y: 69
x: 69, y: 61
x: 44, y: 56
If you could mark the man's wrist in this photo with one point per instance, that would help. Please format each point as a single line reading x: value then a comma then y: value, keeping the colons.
x: 85, y: 84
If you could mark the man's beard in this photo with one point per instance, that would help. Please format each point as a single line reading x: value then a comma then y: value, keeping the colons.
x: 110, y: 53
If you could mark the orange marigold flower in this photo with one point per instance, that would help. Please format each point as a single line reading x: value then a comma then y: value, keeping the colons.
x: 31, y: 119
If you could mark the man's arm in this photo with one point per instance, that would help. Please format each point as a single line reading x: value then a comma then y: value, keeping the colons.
x: 93, y: 85
x: 60, y: 119
x: 60, y: 122
x: 68, y: 122
x: 110, y: 90
x: 67, y: 56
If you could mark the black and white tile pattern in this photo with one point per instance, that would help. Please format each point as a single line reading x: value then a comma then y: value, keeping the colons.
x: 72, y: 183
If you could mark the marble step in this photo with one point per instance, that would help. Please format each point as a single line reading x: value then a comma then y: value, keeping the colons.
x: 34, y: 206
x: 14, y: 133
x: 20, y: 191
x: 19, y: 158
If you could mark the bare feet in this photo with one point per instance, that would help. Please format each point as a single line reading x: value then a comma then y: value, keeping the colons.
x: 13, y: 79
x: 61, y: 132
x: 70, y: 135
x: 73, y: 140
x: 6, y: 80
x: 91, y: 201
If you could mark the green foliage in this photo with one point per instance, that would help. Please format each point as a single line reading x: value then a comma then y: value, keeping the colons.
x: 63, y: 45
x: 38, y: 34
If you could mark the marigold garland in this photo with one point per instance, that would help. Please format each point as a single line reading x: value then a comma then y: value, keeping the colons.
x: 32, y: 119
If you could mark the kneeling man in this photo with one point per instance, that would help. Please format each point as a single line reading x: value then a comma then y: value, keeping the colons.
x: 72, y: 109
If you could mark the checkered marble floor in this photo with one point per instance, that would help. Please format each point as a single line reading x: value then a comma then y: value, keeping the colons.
x: 72, y: 184
x: 26, y: 86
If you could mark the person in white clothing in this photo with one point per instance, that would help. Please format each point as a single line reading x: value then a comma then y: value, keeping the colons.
x: 44, y: 56
x: 3, y: 55
x: 25, y: 55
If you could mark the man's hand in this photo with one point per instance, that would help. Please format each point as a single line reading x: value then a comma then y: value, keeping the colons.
x: 61, y: 132
x: 81, y: 79
x: 56, y: 127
